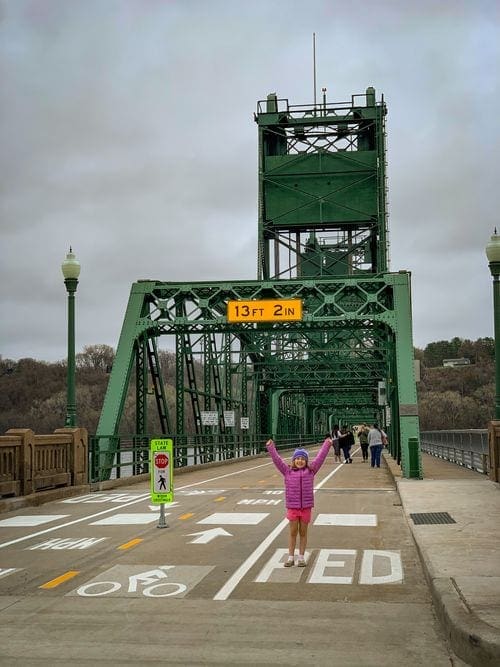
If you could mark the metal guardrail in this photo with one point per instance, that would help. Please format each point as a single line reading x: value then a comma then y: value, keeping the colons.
x: 130, y: 453
x: 468, y: 448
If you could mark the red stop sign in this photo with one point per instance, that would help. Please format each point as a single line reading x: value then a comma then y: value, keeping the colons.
x: 161, y: 460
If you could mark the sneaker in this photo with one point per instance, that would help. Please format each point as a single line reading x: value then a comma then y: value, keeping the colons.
x: 289, y: 562
x: 301, y: 562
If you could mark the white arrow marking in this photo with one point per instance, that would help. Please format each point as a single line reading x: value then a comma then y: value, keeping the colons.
x: 208, y: 535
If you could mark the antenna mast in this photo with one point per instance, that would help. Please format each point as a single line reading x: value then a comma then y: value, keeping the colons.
x: 314, y: 66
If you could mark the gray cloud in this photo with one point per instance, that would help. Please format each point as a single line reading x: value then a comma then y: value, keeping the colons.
x: 127, y: 131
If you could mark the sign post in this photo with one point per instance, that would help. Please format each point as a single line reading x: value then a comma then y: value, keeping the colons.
x: 162, y: 469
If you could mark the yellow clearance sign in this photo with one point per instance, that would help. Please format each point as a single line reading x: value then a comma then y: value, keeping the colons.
x: 265, y: 310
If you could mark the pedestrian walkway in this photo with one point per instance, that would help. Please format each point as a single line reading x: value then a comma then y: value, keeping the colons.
x: 461, y: 559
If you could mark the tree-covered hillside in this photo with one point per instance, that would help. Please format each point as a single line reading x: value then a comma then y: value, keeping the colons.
x: 456, y: 397
x: 33, y: 393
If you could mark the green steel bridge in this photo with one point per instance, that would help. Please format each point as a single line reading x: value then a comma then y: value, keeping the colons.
x: 322, y: 244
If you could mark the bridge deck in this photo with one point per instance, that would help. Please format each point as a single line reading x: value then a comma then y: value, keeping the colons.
x: 92, y: 579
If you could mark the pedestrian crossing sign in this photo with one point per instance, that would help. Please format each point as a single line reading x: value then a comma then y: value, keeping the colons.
x: 162, y: 471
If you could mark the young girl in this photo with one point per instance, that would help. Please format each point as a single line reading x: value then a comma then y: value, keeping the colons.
x: 299, y: 493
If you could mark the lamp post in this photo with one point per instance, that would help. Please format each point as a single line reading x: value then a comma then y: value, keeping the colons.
x: 71, y: 270
x: 493, y: 255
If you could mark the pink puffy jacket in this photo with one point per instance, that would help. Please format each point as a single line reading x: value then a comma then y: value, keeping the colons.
x: 299, y: 483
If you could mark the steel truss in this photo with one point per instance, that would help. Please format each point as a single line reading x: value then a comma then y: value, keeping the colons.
x: 249, y: 367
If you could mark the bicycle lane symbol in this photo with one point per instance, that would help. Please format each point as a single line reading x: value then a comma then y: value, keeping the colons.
x: 144, y: 581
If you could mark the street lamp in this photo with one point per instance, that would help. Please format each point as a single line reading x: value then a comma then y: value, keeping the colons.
x: 493, y: 255
x: 71, y: 270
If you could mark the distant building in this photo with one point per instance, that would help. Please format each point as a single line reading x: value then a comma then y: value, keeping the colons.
x: 456, y: 362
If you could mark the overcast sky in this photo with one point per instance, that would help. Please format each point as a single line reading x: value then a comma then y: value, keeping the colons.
x: 127, y: 131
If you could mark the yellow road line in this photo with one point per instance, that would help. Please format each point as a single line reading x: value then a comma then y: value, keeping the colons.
x: 60, y: 580
x: 130, y: 544
x: 186, y: 516
x: 219, y: 499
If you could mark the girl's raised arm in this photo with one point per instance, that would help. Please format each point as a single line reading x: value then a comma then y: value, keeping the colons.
x: 277, y: 460
x: 320, y: 457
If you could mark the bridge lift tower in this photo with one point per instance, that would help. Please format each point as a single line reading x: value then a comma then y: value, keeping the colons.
x: 322, y: 238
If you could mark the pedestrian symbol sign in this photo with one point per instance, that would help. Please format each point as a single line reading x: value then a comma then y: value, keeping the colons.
x: 162, y: 488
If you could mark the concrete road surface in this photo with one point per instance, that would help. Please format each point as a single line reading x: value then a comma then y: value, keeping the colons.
x: 93, y: 580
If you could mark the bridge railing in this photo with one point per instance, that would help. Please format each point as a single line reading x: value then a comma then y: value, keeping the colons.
x: 128, y: 455
x: 468, y: 448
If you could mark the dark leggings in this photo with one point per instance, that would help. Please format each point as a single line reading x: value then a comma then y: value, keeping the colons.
x: 364, y: 450
x: 346, y: 450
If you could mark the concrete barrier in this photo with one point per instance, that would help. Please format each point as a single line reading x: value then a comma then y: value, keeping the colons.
x: 30, y: 463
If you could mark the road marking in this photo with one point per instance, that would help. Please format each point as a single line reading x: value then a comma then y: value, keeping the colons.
x: 235, y: 579
x: 377, y: 567
x: 394, y: 568
x: 144, y: 580
x: 276, y: 566
x: 235, y: 518
x: 220, y: 499
x: 60, y: 580
x: 60, y: 543
x: 200, y: 492
x: 365, y: 489
x: 258, y: 501
x: 346, y: 520
x: 102, y: 498
x: 238, y: 575
x: 344, y: 559
x: 336, y: 567
x: 129, y: 545
x: 26, y: 520
x: 5, y: 571
x: 127, y: 519
x: 206, y: 536
x: 188, y: 515
x: 71, y: 523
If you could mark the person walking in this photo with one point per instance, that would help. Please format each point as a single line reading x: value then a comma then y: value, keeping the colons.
x: 299, y: 493
x: 336, y: 443
x: 346, y: 442
x: 376, y: 438
x: 363, y: 441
